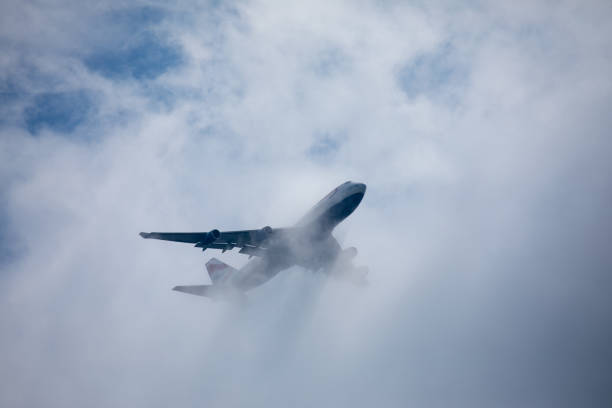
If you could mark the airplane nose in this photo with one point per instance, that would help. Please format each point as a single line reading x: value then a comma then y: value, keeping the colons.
x: 361, y: 187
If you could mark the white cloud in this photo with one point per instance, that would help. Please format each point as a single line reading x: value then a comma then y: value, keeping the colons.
x: 485, y: 224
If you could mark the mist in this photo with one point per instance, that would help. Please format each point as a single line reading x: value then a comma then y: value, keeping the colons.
x: 482, y: 132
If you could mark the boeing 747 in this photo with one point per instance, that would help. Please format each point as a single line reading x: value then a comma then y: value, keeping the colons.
x: 309, y: 244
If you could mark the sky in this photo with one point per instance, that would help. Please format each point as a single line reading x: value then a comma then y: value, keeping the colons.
x: 482, y: 130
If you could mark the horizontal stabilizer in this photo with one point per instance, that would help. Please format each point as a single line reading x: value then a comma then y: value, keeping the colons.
x: 198, y: 290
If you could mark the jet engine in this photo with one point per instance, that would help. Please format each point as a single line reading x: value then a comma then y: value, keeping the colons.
x: 209, y: 238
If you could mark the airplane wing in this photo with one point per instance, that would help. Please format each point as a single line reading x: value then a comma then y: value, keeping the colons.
x: 250, y: 242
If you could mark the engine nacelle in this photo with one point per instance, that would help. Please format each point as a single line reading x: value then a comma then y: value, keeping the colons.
x: 210, y: 237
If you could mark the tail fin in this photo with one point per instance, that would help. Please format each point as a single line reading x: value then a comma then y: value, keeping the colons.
x: 218, y: 271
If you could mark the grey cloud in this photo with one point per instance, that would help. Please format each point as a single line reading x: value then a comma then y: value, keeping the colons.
x: 485, y: 226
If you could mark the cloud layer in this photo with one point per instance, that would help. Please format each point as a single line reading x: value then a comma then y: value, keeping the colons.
x: 481, y: 130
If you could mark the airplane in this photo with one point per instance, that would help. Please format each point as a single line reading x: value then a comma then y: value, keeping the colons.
x: 309, y: 244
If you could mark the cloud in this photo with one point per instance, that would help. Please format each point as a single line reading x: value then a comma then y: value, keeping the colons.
x: 481, y: 131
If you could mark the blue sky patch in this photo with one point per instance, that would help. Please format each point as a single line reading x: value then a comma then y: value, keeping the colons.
x: 9, y: 96
x: 146, y: 58
x: 431, y: 73
x: 133, y: 48
x: 9, y: 92
x: 58, y: 111
x: 136, y: 17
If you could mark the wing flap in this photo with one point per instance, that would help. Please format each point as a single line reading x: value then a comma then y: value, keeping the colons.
x: 203, y: 238
x: 252, y: 251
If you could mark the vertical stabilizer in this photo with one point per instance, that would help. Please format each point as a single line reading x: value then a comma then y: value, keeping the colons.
x: 218, y: 271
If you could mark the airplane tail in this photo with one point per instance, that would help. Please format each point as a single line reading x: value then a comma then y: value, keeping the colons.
x: 218, y: 271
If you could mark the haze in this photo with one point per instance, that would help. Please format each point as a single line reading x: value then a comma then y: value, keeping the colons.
x: 483, y: 134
